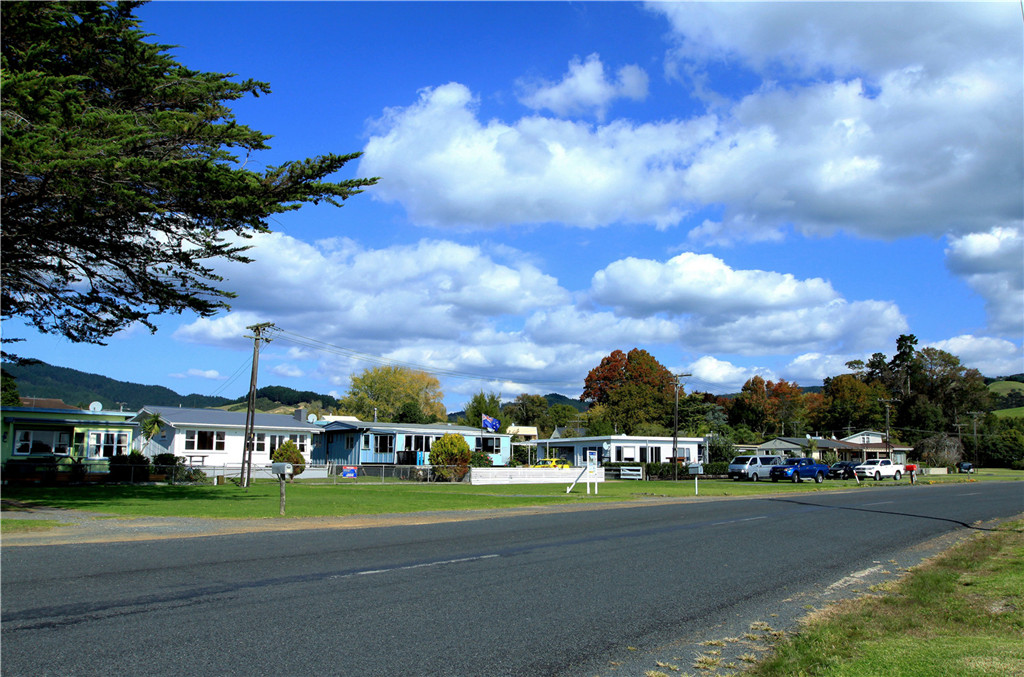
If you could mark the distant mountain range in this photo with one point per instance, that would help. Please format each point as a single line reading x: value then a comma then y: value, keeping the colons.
x: 79, y: 389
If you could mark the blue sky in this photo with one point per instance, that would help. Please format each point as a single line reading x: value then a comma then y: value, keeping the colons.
x: 740, y: 189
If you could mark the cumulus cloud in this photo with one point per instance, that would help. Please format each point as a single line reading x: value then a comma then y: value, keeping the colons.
x: 449, y: 169
x: 991, y: 356
x: 287, y: 371
x: 815, y: 39
x: 838, y: 326
x: 336, y: 289
x: 702, y: 284
x: 722, y: 375
x: 992, y: 263
x: 584, y: 88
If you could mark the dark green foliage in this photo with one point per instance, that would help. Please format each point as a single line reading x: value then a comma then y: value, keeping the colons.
x: 125, y: 174
x: 78, y: 388
x: 289, y: 396
x: 410, y: 412
x: 289, y: 453
x: 479, y: 459
x: 9, y: 396
x: 484, y: 403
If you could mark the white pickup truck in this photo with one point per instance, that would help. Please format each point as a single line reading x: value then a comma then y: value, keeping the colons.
x: 879, y: 468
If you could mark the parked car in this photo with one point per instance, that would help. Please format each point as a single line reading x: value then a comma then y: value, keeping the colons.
x: 798, y: 469
x: 752, y: 467
x: 843, y: 470
x: 879, y: 468
x: 550, y: 463
x: 965, y: 467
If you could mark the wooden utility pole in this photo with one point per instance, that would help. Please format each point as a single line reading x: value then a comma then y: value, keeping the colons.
x: 675, y: 427
x: 250, y: 412
x: 888, y: 447
x: 974, y: 415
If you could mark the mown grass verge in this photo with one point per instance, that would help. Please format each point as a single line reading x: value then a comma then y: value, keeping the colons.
x: 326, y: 499
x: 961, y: 614
x: 17, y: 526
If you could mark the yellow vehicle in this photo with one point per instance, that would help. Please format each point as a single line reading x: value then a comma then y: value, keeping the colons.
x: 551, y: 463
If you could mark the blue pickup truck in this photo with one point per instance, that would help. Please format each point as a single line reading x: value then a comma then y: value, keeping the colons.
x: 799, y: 469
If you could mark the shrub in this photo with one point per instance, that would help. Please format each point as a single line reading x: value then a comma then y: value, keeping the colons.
x: 450, y: 457
x: 288, y: 452
x: 479, y: 459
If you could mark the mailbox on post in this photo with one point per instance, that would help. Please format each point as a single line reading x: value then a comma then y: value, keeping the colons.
x: 282, y: 470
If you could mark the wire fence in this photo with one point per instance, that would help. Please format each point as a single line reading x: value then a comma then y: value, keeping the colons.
x: 52, y: 471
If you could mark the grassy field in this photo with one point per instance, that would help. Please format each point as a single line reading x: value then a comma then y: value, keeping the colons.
x: 369, y: 497
x: 959, y: 614
x: 1016, y: 412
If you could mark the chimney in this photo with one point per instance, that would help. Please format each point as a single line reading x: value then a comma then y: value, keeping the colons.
x: 300, y: 414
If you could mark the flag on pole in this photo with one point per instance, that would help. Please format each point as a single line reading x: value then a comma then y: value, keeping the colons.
x: 488, y: 423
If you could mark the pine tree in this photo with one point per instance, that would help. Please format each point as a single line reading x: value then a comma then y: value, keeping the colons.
x: 124, y: 173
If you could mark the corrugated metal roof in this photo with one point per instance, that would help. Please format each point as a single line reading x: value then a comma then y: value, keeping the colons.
x: 179, y: 417
x: 420, y: 428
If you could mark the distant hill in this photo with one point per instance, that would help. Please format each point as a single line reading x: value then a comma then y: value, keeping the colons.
x: 79, y: 388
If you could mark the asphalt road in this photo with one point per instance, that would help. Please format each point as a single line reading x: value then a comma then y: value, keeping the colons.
x: 606, y: 591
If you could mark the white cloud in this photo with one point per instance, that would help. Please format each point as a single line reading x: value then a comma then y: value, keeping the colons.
x: 209, y: 374
x: 838, y: 326
x: 813, y: 368
x: 579, y: 327
x: 724, y: 376
x: 449, y: 169
x: 287, y: 371
x: 366, y: 298
x: 993, y: 357
x: 702, y: 284
x: 815, y: 39
x: 584, y: 88
x: 992, y: 263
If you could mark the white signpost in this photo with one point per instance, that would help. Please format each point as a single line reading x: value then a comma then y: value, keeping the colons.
x: 590, y: 470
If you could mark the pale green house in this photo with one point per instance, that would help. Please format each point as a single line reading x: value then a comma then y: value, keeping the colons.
x: 55, y: 430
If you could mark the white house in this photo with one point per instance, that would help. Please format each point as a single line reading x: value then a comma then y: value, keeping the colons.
x: 212, y: 437
x: 623, y: 449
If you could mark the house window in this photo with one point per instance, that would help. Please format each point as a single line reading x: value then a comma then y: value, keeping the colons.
x: 43, y: 442
x: 487, y: 445
x: 300, y: 442
x: 204, y: 440
x: 618, y: 454
x: 384, y: 444
x: 366, y: 441
x: 107, y: 444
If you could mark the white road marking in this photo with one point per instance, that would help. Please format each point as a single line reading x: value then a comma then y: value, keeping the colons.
x: 370, y: 572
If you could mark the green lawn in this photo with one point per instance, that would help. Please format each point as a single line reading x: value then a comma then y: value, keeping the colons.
x: 326, y: 499
x: 960, y: 614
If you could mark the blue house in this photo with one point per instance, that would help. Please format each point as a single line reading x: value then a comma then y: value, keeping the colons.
x: 349, y: 441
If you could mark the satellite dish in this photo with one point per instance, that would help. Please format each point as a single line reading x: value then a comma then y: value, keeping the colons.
x: 311, y: 418
x: 95, y: 406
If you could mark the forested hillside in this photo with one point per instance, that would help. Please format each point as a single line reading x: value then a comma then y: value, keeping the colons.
x: 79, y: 388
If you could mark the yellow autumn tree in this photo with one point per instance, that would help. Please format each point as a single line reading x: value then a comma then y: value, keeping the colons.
x: 395, y: 393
